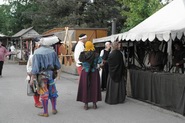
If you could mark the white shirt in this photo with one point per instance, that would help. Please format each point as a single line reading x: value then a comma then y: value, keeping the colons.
x: 29, y: 64
x: 102, y: 52
x: 12, y: 48
x: 78, y: 49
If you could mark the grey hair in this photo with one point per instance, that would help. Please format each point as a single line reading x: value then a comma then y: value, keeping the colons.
x: 107, y: 43
x: 115, y: 45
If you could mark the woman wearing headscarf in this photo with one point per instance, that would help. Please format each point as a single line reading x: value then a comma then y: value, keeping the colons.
x: 89, y: 83
x: 115, y: 84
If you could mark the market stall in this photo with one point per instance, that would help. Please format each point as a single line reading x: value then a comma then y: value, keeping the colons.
x: 161, y: 88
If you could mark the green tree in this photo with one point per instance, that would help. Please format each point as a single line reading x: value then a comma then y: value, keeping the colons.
x: 77, y: 13
x: 102, y: 12
x: 138, y: 10
x: 5, y: 20
x: 14, y: 16
x: 46, y: 14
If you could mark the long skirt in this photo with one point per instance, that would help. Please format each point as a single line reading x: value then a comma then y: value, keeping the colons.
x: 105, y: 72
x: 116, y: 91
x: 89, y: 92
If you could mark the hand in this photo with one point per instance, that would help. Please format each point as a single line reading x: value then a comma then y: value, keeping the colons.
x: 177, y: 64
x: 32, y: 79
x: 31, y: 82
x: 29, y: 74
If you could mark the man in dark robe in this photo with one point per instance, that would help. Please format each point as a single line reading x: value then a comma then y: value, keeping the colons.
x: 178, y: 55
x: 157, y: 58
x: 116, y: 90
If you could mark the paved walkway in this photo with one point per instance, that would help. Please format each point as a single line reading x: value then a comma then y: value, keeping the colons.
x: 17, y: 107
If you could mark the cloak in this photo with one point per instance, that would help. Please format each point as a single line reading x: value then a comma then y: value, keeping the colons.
x: 116, y: 65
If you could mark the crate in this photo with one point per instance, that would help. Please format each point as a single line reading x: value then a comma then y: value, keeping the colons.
x: 21, y: 62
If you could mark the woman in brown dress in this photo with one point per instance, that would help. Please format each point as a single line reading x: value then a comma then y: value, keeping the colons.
x: 89, y: 83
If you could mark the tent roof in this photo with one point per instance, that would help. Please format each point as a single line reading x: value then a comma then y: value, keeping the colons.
x: 1, y: 35
x: 70, y: 36
x: 168, y: 22
x: 23, y: 31
x: 111, y: 38
x: 26, y: 33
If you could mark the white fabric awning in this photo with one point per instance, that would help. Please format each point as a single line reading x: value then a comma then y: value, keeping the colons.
x: 103, y: 39
x: 168, y: 22
x: 111, y: 38
x: 1, y: 35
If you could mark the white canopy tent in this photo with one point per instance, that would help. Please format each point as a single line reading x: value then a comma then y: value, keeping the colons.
x: 111, y: 38
x: 1, y: 35
x: 167, y: 23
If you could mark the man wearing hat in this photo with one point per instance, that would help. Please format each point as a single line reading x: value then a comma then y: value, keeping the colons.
x: 44, y: 64
x: 78, y: 49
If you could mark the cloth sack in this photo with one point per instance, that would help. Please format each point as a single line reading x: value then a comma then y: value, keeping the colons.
x: 30, y: 91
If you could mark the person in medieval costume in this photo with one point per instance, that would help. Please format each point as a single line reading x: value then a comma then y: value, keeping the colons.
x: 89, y: 83
x: 36, y: 96
x: 157, y: 58
x: 116, y: 90
x: 178, y: 57
x: 104, y: 65
x: 79, y: 47
x: 45, y: 62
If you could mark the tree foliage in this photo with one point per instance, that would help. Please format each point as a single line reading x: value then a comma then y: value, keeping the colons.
x: 102, y: 12
x: 5, y: 20
x: 138, y: 10
x: 14, y: 16
x: 47, y: 14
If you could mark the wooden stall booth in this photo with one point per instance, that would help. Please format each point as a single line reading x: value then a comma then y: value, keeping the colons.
x: 68, y: 37
x: 21, y: 40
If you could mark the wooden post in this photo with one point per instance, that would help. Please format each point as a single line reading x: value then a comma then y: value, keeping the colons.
x: 62, y: 55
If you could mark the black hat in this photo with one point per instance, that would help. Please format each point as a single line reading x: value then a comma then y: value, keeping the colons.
x: 82, y: 36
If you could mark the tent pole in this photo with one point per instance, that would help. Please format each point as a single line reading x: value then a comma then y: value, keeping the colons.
x: 128, y: 52
x: 21, y: 46
x: 134, y: 53
x: 169, y: 51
